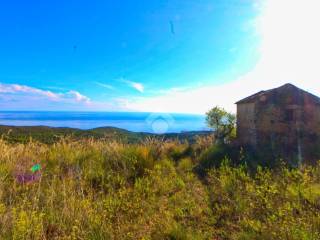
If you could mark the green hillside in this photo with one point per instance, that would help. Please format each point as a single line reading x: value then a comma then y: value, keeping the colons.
x: 50, y: 134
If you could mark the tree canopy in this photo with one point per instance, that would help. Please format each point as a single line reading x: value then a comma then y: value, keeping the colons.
x: 222, y: 122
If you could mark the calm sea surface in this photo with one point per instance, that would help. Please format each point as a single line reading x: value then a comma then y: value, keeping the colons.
x: 132, y: 121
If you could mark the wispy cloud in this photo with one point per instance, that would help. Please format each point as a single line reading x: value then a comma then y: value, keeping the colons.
x: 23, y: 97
x: 137, y: 86
x: 77, y: 96
x: 16, y: 88
x: 17, y: 91
x: 104, y: 85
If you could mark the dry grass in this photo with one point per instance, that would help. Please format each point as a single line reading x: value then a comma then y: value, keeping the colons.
x: 94, y: 189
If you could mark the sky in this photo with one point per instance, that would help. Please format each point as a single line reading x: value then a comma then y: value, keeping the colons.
x: 153, y: 56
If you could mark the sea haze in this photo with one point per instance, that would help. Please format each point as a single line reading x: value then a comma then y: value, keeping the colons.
x: 132, y: 121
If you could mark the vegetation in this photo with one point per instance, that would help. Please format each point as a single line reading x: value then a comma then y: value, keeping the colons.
x: 51, y: 135
x: 223, y: 124
x: 103, y: 189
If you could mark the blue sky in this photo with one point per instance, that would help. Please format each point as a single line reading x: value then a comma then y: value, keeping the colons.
x: 128, y: 55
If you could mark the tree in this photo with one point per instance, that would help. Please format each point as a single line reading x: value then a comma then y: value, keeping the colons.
x: 222, y: 122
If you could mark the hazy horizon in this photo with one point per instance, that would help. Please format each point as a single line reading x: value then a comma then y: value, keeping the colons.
x: 131, y: 121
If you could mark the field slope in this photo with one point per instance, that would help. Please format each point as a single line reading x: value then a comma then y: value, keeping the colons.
x: 97, y: 189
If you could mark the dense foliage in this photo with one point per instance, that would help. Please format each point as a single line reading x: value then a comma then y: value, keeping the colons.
x: 102, y: 189
x: 222, y: 122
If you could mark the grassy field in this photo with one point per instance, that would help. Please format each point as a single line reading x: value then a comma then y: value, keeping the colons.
x: 104, y: 189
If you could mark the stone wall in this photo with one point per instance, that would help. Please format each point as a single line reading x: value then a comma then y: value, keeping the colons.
x: 246, y: 128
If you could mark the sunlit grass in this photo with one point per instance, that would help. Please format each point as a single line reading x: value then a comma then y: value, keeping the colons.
x: 95, y: 189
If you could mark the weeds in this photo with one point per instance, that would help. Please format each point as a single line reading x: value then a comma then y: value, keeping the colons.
x: 98, y: 189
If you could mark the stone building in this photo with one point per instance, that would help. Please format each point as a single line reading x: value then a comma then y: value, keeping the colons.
x: 284, y: 122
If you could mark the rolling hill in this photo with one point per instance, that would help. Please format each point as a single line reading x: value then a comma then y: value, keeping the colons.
x: 50, y: 135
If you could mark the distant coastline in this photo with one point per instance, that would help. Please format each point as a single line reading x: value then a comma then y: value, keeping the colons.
x: 131, y: 121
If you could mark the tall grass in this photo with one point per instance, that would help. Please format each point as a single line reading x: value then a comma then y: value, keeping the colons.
x: 95, y: 189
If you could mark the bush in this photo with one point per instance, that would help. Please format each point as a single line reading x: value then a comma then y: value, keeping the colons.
x: 214, y: 156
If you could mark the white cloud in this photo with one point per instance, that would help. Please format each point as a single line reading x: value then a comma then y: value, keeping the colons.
x: 138, y: 86
x: 289, y: 52
x: 78, y: 96
x: 104, y: 85
x: 198, y: 100
x: 16, y: 88
x: 24, y: 93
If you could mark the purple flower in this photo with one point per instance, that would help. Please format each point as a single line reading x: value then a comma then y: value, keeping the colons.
x: 27, y: 178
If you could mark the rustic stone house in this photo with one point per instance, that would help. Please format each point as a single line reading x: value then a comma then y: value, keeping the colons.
x: 284, y: 122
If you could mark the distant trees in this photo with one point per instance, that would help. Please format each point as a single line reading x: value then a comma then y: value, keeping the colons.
x: 223, y: 124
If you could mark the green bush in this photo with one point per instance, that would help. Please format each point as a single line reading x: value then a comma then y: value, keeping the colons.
x: 215, y: 155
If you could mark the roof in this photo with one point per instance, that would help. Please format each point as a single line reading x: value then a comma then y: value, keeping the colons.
x: 284, y: 89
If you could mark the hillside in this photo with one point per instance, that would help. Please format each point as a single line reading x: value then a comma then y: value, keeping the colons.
x: 50, y: 134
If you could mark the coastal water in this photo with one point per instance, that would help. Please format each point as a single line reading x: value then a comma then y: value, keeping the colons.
x: 132, y: 121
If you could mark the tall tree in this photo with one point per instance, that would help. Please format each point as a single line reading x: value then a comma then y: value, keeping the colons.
x: 222, y: 122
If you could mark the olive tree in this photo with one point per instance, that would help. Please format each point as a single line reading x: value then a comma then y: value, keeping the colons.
x: 222, y: 122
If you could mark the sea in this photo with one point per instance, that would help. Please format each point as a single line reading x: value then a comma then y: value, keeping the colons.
x: 132, y: 121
